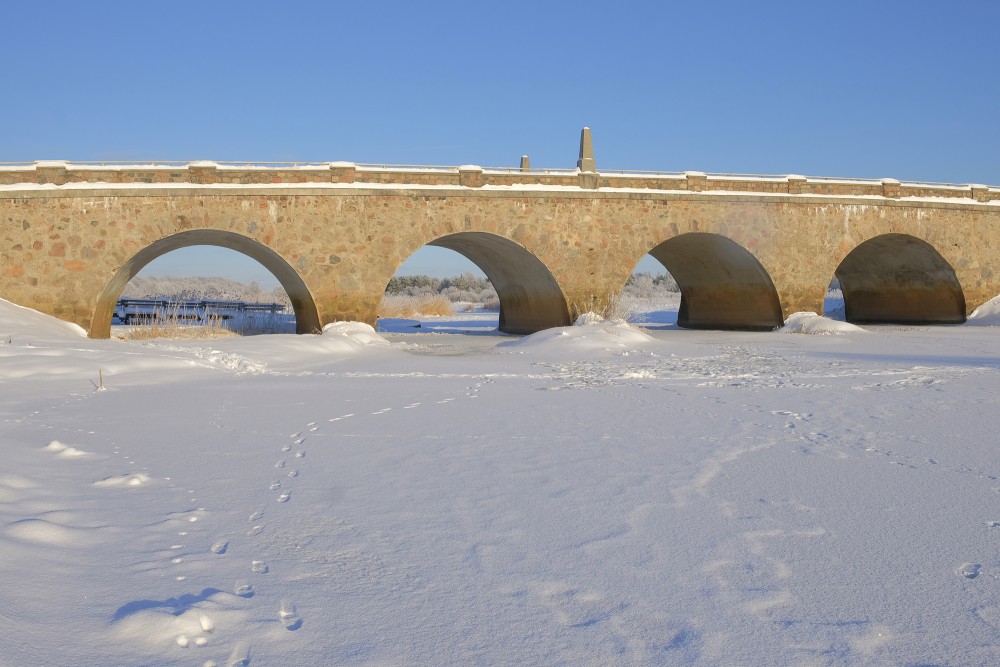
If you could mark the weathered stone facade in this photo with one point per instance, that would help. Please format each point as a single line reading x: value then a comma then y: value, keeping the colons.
x: 334, y: 235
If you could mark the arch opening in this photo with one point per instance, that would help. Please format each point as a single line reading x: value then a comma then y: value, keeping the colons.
x: 651, y: 296
x: 899, y: 279
x: 722, y: 285
x: 529, y: 299
x: 303, y: 305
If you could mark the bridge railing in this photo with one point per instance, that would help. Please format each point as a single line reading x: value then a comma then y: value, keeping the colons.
x: 269, y: 173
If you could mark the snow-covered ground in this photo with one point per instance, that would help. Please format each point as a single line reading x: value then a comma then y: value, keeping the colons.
x: 594, y: 495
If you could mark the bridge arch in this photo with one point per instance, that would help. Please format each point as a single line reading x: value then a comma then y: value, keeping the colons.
x: 723, y: 286
x: 530, y: 297
x: 306, y: 315
x: 900, y: 278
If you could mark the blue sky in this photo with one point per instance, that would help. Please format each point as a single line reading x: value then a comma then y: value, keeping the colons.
x: 864, y: 89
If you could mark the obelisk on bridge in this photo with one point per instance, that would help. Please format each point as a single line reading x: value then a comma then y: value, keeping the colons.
x: 586, y: 161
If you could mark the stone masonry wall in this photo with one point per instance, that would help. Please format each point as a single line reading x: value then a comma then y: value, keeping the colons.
x: 60, y: 248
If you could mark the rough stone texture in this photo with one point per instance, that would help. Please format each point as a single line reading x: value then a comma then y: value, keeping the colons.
x: 66, y: 251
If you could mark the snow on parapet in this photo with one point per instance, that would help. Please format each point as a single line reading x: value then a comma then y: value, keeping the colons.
x: 203, y: 164
x: 807, y: 322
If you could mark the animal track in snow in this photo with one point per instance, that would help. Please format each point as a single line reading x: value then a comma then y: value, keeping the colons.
x: 259, y: 567
x: 259, y: 514
x: 256, y: 530
x: 301, y: 454
x: 280, y: 464
x: 293, y: 473
x: 274, y: 486
x: 286, y: 448
x: 243, y: 589
x: 219, y: 548
x: 410, y: 406
x: 382, y: 411
x: 337, y: 419
x: 285, y: 497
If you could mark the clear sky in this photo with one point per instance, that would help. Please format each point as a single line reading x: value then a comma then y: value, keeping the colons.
x: 905, y: 89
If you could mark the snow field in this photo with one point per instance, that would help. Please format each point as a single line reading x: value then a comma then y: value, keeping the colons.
x: 589, y: 495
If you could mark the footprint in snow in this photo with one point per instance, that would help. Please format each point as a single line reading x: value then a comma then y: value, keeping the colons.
x: 285, y: 497
x: 301, y: 454
x: 259, y: 567
x: 259, y: 514
x: 256, y: 530
x: 240, y: 657
x: 243, y: 589
x: 411, y: 406
x: 293, y: 473
x: 289, y: 617
x: 280, y: 464
x: 274, y: 486
x: 219, y: 548
x: 286, y: 448
x: 969, y: 570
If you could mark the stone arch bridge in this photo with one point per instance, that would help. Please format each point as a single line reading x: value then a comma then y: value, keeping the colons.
x: 746, y: 251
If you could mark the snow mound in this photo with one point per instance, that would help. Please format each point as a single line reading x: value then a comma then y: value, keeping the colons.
x: 356, y: 331
x: 19, y: 324
x: 126, y: 480
x: 587, y: 319
x: 64, y: 451
x: 987, y: 315
x: 594, y: 335
x: 810, y: 323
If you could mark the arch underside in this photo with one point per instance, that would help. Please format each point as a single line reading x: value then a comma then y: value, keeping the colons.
x: 530, y: 298
x: 722, y: 284
x: 306, y: 315
x: 897, y: 278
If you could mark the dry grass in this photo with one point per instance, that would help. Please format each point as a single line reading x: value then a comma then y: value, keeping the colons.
x: 176, y: 329
x: 400, y: 305
x: 620, y: 307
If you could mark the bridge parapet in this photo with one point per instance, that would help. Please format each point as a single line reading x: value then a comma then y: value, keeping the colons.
x: 471, y: 176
